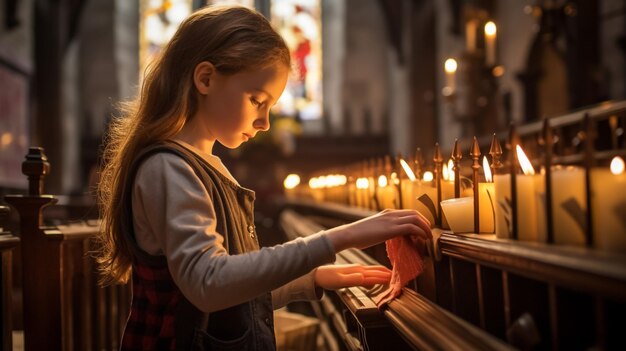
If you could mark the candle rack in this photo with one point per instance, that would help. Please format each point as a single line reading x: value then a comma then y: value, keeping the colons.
x: 559, y: 144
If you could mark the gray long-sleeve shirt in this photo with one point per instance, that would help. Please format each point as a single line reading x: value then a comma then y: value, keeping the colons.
x: 174, y: 216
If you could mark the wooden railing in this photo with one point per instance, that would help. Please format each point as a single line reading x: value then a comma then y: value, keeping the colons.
x: 8, y: 242
x: 409, y: 322
x: 63, y: 306
x: 529, y: 295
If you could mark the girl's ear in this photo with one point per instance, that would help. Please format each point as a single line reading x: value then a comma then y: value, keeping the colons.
x: 202, y: 75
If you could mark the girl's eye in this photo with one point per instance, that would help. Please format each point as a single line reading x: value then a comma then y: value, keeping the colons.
x: 255, y: 102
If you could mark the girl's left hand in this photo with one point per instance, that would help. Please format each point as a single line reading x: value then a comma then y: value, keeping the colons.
x: 334, y: 277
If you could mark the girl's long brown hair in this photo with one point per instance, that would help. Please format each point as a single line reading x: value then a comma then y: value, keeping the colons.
x: 233, y: 39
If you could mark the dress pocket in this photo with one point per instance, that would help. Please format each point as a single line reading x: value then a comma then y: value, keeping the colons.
x: 204, y: 341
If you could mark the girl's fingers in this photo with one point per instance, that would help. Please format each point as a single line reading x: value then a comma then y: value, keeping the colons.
x: 369, y: 281
x: 377, y: 274
x: 425, y: 228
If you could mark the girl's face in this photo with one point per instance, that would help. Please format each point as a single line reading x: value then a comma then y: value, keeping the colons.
x: 237, y: 106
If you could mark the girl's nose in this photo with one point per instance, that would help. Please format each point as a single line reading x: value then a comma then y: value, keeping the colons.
x: 262, y: 123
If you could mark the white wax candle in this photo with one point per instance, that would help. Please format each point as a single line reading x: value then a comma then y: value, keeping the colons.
x: 450, y: 67
x: 460, y: 214
x: 527, y: 207
x: 486, y: 202
x: 408, y: 201
x: 608, y: 201
x: 504, y: 219
x: 569, y: 205
x: 490, y: 43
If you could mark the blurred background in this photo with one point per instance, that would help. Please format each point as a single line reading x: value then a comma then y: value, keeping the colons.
x: 370, y: 78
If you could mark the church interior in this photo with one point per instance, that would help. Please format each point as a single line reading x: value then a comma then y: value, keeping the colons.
x: 502, y: 122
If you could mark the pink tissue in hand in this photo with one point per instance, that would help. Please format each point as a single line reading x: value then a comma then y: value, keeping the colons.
x: 407, y: 264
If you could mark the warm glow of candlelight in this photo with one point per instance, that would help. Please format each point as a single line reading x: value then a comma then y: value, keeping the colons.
x: 362, y: 183
x: 291, y: 181
x: 428, y: 176
x: 487, y: 169
x: 617, y: 165
x: 450, y: 65
x: 444, y: 172
x: 450, y: 171
x: 382, y: 181
x: 490, y: 28
x: 407, y: 170
x: 313, y: 183
x: 394, y: 178
x: 527, y: 167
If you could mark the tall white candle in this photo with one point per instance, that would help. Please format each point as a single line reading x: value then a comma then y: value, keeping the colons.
x: 527, y: 206
x: 486, y: 199
x: 407, y: 186
x: 504, y: 217
x: 569, y: 205
x: 490, y: 43
x: 608, y: 202
x: 450, y: 68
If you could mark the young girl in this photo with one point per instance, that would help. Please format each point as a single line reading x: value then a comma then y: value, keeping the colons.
x: 176, y: 219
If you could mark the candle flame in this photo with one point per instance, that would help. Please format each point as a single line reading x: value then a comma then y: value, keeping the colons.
x: 490, y: 28
x: 487, y: 170
x: 617, y: 165
x: 527, y: 167
x: 428, y: 176
x: 407, y: 170
x: 382, y: 181
x: 450, y: 65
x: 362, y: 183
x: 291, y: 181
x: 444, y: 172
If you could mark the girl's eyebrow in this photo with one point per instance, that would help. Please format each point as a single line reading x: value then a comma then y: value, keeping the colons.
x: 264, y: 92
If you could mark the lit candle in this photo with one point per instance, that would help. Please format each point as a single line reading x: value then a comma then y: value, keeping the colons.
x: 290, y: 183
x: 384, y: 192
x: 527, y: 204
x: 362, y: 190
x: 408, y: 184
x: 490, y: 43
x: 504, y: 219
x: 608, y: 201
x: 425, y: 195
x: 450, y: 68
x: 486, y: 198
x: 447, y: 183
x: 530, y: 188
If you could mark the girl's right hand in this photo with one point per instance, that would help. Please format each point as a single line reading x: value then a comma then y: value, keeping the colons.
x: 378, y: 228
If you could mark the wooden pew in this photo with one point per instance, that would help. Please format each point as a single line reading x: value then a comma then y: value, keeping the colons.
x: 7, y: 243
x: 63, y: 306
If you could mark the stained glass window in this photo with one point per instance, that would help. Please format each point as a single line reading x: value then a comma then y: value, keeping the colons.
x: 159, y: 21
x: 299, y: 22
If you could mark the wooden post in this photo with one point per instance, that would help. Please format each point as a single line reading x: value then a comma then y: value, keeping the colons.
x: 7, y: 243
x: 438, y: 161
x: 456, y: 158
x: 513, y: 142
x: 40, y: 268
x: 475, y: 154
